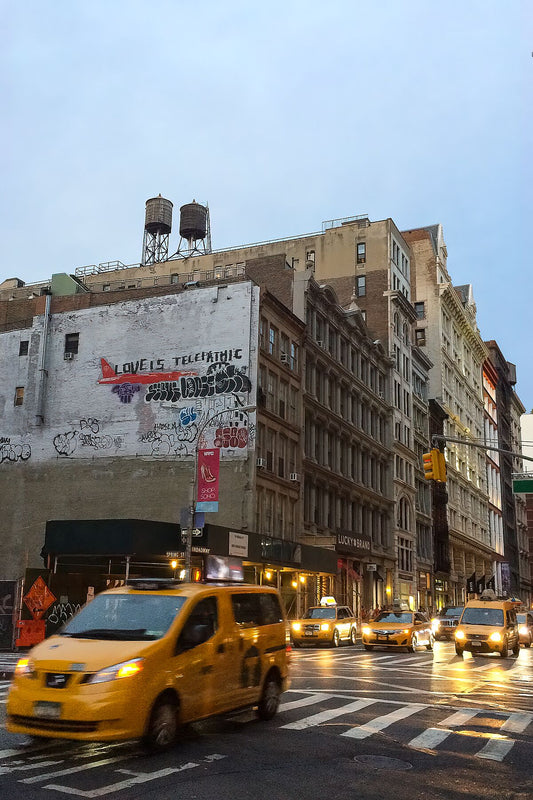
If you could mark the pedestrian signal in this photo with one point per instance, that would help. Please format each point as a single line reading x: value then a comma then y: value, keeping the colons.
x: 434, y: 466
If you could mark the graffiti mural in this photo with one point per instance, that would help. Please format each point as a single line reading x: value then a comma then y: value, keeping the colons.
x: 67, y: 443
x: 220, y: 379
x: 12, y: 452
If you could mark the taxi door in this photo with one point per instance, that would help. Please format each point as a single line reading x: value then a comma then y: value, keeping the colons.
x: 344, y: 623
x: 422, y: 627
x: 201, y: 661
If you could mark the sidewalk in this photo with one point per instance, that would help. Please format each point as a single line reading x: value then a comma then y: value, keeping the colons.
x: 7, y: 664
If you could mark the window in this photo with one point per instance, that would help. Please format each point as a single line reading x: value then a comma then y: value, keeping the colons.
x: 420, y: 337
x: 310, y: 256
x: 19, y: 395
x: 174, y: 278
x: 361, y: 252
x: 72, y: 342
x: 106, y: 287
x: 420, y: 310
x: 405, y: 555
x: 272, y: 341
x: 23, y: 348
x: 361, y: 285
x: 256, y: 608
x: 200, y: 626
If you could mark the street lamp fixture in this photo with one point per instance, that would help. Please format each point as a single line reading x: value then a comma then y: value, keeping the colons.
x: 194, y: 483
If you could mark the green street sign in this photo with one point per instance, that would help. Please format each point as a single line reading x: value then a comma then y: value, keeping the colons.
x: 523, y: 485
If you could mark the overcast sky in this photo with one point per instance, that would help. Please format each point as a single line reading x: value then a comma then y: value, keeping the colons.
x: 279, y: 115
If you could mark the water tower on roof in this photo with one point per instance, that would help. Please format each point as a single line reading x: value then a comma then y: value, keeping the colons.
x: 195, y: 230
x: 157, y: 227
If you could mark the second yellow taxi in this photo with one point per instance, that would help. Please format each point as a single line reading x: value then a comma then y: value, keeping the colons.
x: 399, y: 627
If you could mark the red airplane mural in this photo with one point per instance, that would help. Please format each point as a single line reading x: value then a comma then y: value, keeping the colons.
x: 109, y: 376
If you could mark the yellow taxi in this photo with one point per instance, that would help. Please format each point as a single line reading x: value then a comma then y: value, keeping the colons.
x: 398, y: 627
x: 141, y: 660
x: 327, y: 623
x: 488, y: 624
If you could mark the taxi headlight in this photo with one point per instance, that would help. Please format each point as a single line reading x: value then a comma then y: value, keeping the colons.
x: 296, y: 626
x: 24, y: 668
x: 459, y: 634
x: 435, y: 624
x: 523, y: 631
x: 366, y: 631
x: 324, y: 626
x: 126, y: 669
x: 406, y: 630
x: 495, y: 637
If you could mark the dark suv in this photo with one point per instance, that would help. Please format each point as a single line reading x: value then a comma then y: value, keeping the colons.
x: 445, y: 623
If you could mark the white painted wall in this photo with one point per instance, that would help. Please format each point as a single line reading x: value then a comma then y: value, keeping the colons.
x: 179, y: 360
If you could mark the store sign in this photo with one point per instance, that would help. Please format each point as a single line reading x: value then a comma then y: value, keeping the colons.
x: 238, y: 544
x: 357, y: 544
x: 208, y: 472
x: 371, y: 567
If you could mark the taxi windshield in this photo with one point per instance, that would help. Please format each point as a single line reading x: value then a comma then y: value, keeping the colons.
x: 319, y: 613
x: 521, y: 618
x: 451, y: 612
x: 483, y: 616
x: 127, y: 617
x: 403, y: 618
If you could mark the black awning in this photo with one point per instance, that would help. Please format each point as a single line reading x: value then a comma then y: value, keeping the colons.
x: 110, y: 537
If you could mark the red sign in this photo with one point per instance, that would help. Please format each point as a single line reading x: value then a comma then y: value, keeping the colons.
x: 31, y: 631
x: 39, y: 598
x: 208, y: 469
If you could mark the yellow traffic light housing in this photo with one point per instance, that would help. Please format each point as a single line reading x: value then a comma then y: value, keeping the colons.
x: 434, y: 465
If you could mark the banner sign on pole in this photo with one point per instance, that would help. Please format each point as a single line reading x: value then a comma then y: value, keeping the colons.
x: 208, y: 472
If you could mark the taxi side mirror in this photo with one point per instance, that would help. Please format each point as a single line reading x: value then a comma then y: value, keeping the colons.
x: 191, y: 636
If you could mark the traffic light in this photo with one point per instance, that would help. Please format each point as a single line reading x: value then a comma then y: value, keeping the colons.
x: 434, y: 465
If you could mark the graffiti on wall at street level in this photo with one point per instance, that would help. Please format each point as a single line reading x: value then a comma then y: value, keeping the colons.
x: 88, y: 436
x: 61, y: 612
x: 12, y: 451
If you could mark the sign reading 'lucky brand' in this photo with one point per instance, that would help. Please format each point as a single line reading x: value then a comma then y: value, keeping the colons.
x: 208, y: 470
x: 353, y: 543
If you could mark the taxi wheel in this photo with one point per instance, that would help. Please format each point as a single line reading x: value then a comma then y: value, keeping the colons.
x: 414, y: 644
x: 270, y: 697
x: 368, y: 646
x: 431, y: 642
x: 163, y: 725
x: 516, y: 649
x: 527, y: 644
x: 336, y: 638
x: 353, y: 636
x: 458, y: 650
x: 505, y: 648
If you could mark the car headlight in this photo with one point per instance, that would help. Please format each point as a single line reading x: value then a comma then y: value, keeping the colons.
x: 126, y: 669
x: 366, y: 631
x: 24, y: 668
x: 523, y: 631
x: 495, y: 637
x: 435, y: 624
x: 406, y: 630
x: 296, y: 626
x: 459, y: 634
x: 324, y: 626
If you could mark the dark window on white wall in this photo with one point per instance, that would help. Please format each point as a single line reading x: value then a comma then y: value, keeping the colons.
x: 361, y: 286
x: 23, y: 348
x: 420, y: 310
x: 361, y: 252
x: 72, y: 341
x: 19, y: 395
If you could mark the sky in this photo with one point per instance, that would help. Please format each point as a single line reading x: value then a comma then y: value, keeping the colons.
x: 279, y: 115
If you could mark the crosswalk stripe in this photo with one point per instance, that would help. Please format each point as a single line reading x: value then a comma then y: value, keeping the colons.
x: 459, y: 718
x: 330, y: 713
x: 517, y: 723
x: 429, y: 739
x: 496, y: 749
x: 304, y: 701
x: 379, y: 723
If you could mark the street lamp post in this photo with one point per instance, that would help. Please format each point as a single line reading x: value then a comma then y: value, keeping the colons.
x: 194, y: 483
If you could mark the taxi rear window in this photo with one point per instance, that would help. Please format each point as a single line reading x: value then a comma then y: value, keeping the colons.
x: 483, y: 616
x: 256, y: 608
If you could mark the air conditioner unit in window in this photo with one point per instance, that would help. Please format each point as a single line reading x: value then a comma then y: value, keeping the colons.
x: 284, y: 358
x: 294, y: 476
x: 260, y: 462
x: 68, y: 356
